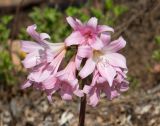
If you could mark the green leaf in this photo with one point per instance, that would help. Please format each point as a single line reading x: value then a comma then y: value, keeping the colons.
x: 109, y: 4
x: 156, y: 55
x: 6, y: 19
x: 119, y: 10
x: 97, y: 13
x: 157, y: 40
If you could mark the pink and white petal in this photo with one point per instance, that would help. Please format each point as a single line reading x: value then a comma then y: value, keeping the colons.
x: 66, y: 92
x: 52, y: 68
x: 44, y: 36
x: 94, y: 98
x: 84, y: 51
x: 115, y: 45
x: 93, y: 22
x: 69, y: 73
x: 101, y: 80
x: 27, y: 84
x: 114, y: 94
x: 55, y: 48
x: 80, y: 24
x: 35, y: 74
x: 94, y: 79
x: 107, y: 90
x: 49, y: 97
x: 28, y: 46
x: 32, y: 59
x: 104, y: 28
x: 75, y: 38
x: 72, y: 22
x: 78, y: 61
x: 50, y: 83
x: 88, y: 68
x: 106, y: 38
x: 31, y: 31
x: 66, y: 96
x: 78, y: 93
x: 124, y: 86
x: 116, y: 59
x: 121, y: 72
x: 87, y: 89
x: 97, y: 44
x: 107, y: 72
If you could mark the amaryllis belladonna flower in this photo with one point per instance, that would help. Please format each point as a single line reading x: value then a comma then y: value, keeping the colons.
x: 93, y: 43
x: 100, y: 85
x: 109, y: 69
x: 43, y: 58
x: 86, y: 35
x: 106, y: 61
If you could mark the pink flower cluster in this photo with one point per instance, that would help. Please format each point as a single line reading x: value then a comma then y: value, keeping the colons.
x: 96, y: 55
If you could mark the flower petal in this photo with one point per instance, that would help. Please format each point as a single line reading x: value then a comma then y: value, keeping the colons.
x: 117, y: 60
x: 32, y: 59
x: 74, y: 24
x: 87, y: 89
x: 31, y: 31
x: 124, y: 86
x: 92, y: 22
x: 107, y: 72
x: 78, y: 92
x: 44, y: 36
x: 97, y: 44
x: 78, y: 61
x: 28, y: 46
x: 114, y: 94
x: 52, y: 68
x: 74, y: 39
x: 84, y: 51
x: 50, y: 83
x: 88, y: 68
x: 104, y: 28
x: 105, y: 38
x: 115, y: 45
x: 26, y: 84
x: 66, y: 92
x: 94, y: 97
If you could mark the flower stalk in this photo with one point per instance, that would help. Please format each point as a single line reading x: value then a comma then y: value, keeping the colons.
x: 82, y: 111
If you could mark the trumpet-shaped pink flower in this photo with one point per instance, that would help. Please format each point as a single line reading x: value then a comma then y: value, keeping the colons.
x: 41, y: 51
x: 43, y: 71
x: 106, y: 61
x: 69, y: 82
x: 87, y: 37
x: 43, y: 58
x: 64, y: 81
x: 87, y: 33
x: 99, y: 85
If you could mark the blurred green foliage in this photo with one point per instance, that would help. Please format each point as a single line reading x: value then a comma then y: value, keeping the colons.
x: 113, y: 12
x: 48, y: 20
x: 52, y: 21
x: 6, y: 65
x: 156, y: 53
x: 4, y: 22
x: 134, y: 82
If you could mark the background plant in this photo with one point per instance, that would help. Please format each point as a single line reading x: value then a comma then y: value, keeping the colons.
x: 156, y: 53
x: 6, y: 65
x: 52, y: 20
